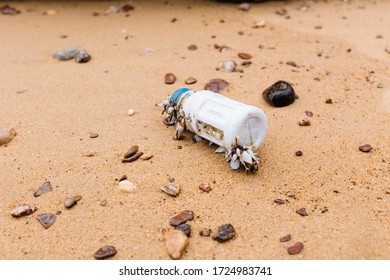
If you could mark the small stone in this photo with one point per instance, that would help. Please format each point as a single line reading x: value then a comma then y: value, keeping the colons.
x: 93, y: 135
x: 8, y: 10
x: 365, y: 148
x: 181, y: 218
x: 6, y: 135
x: 127, y: 8
x: 132, y: 151
x: 169, y: 78
x: 228, y: 65
x: 58, y: 212
x: 285, y: 238
x: 246, y: 63
x: 66, y: 54
x: 225, y: 233
x: 298, y: 153
x: 329, y: 101
x: 304, y: 123
x: 205, y: 232
x: 290, y: 194
x: 279, y: 201
x: 46, y: 220
x: 216, y: 84
x: 175, y: 241
x: 69, y: 202
x: 123, y: 177
x: 184, y: 228
x: 244, y: 7
x: 89, y: 153
x: 22, y: 210
x: 179, y: 147
x: 309, y: 113
x: 192, y: 47
x: 244, y: 56
x: 280, y: 94
x: 126, y: 186
x: 205, y: 187
x: 171, y: 189
x: 281, y: 11
x: 190, y: 81
x: 302, y: 212
x: 105, y: 252
x: 133, y: 157
x: 46, y: 187
x: 295, y: 249
x: 147, y: 156
x: 103, y: 203
x: 131, y: 112
x: 82, y: 57
x: 292, y: 63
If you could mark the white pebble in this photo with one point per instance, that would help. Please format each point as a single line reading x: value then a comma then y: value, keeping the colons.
x: 126, y: 186
x: 131, y: 112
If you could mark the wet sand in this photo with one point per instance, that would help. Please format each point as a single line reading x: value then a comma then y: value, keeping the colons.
x: 339, y: 51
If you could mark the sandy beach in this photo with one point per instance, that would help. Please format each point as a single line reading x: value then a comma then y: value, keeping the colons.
x: 325, y: 49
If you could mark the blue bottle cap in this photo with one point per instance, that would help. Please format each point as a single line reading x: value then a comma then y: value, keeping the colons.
x: 175, y: 97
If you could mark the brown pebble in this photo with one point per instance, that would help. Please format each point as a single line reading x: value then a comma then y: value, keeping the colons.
x: 8, y: 10
x: 246, y: 63
x: 58, y: 212
x: 103, y: 203
x: 292, y: 63
x: 181, y: 218
x: 93, y: 135
x: 169, y: 78
x: 190, y: 81
x: 205, y: 187
x: 244, y: 56
x: 133, y: 157
x: 309, y: 113
x: 279, y: 201
x: 285, y: 238
x: 105, y: 252
x: 126, y: 8
x: 46, y: 187
x: 295, y: 249
x: 179, y: 147
x: 6, y: 135
x: 365, y: 148
x: 290, y: 194
x: 329, y: 101
x: 69, y: 202
x: 298, y: 153
x: 304, y: 123
x: 216, y: 84
x: 46, y: 220
x: 131, y: 151
x: 89, y: 153
x: 302, y: 212
x: 205, y: 232
x: 77, y: 197
x: 225, y: 233
x: 175, y: 241
x: 192, y: 47
x: 22, y: 210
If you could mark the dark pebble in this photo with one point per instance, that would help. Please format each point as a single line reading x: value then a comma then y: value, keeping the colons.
x: 302, y: 212
x: 365, y: 148
x: 46, y: 220
x: 304, y: 123
x: 298, y: 153
x: 93, y: 135
x: 280, y: 94
x: 295, y: 249
x: 179, y: 147
x: 309, y: 113
x: 279, y: 201
x: 169, y: 78
x: 82, y: 57
x: 184, y: 228
x: 181, y: 218
x: 105, y: 252
x: 123, y: 177
x: 328, y: 101
x: 131, y: 151
x: 244, y: 56
x: 58, y: 212
x: 246, y: 63
x: 225, y: 233
x: 8, y: 10
x: 46, y: 187
x: 205, y: 232
x: 127, y: 8
x: 133, y: 157
x: 285, y: 238
x: 192, y: 47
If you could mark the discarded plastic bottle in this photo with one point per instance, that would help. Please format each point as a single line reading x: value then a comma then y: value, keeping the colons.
x: 237, y: 128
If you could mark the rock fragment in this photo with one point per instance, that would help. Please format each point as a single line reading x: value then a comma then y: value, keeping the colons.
x: 105, y: 252
x: 285, y: 238
x: 184, y: 228
x: 82, y: 57
x: 205, y: 187
x: 244, y: 56
x: 295, y: 249
x: 205, y: 232
x: 126, y: 186
x: 171, y: 189
x: 8, y: 10
x: 280, y: 94
x: 134, y: 157
x: 71, y: 201
x: 181, y: 218
x: 89, y: 153
x: 225, y: 233
x: 46, y: 220
x: 147, y: 156
x: 131, y: 151
x: 302, y: 212
x: 6, y: 135
x: 46, y: 187
x: 175, y: 241
x: 365, y: 148
x: 22, y: 210
x: 279, y: 201
x: 190, y: 81
x: 93, y: 135
x: 304, y: 123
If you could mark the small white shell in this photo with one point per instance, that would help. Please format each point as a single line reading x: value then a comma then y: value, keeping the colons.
x: 131, y: 112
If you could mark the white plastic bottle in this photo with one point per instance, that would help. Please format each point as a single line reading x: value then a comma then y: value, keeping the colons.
x: 220, y: 119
